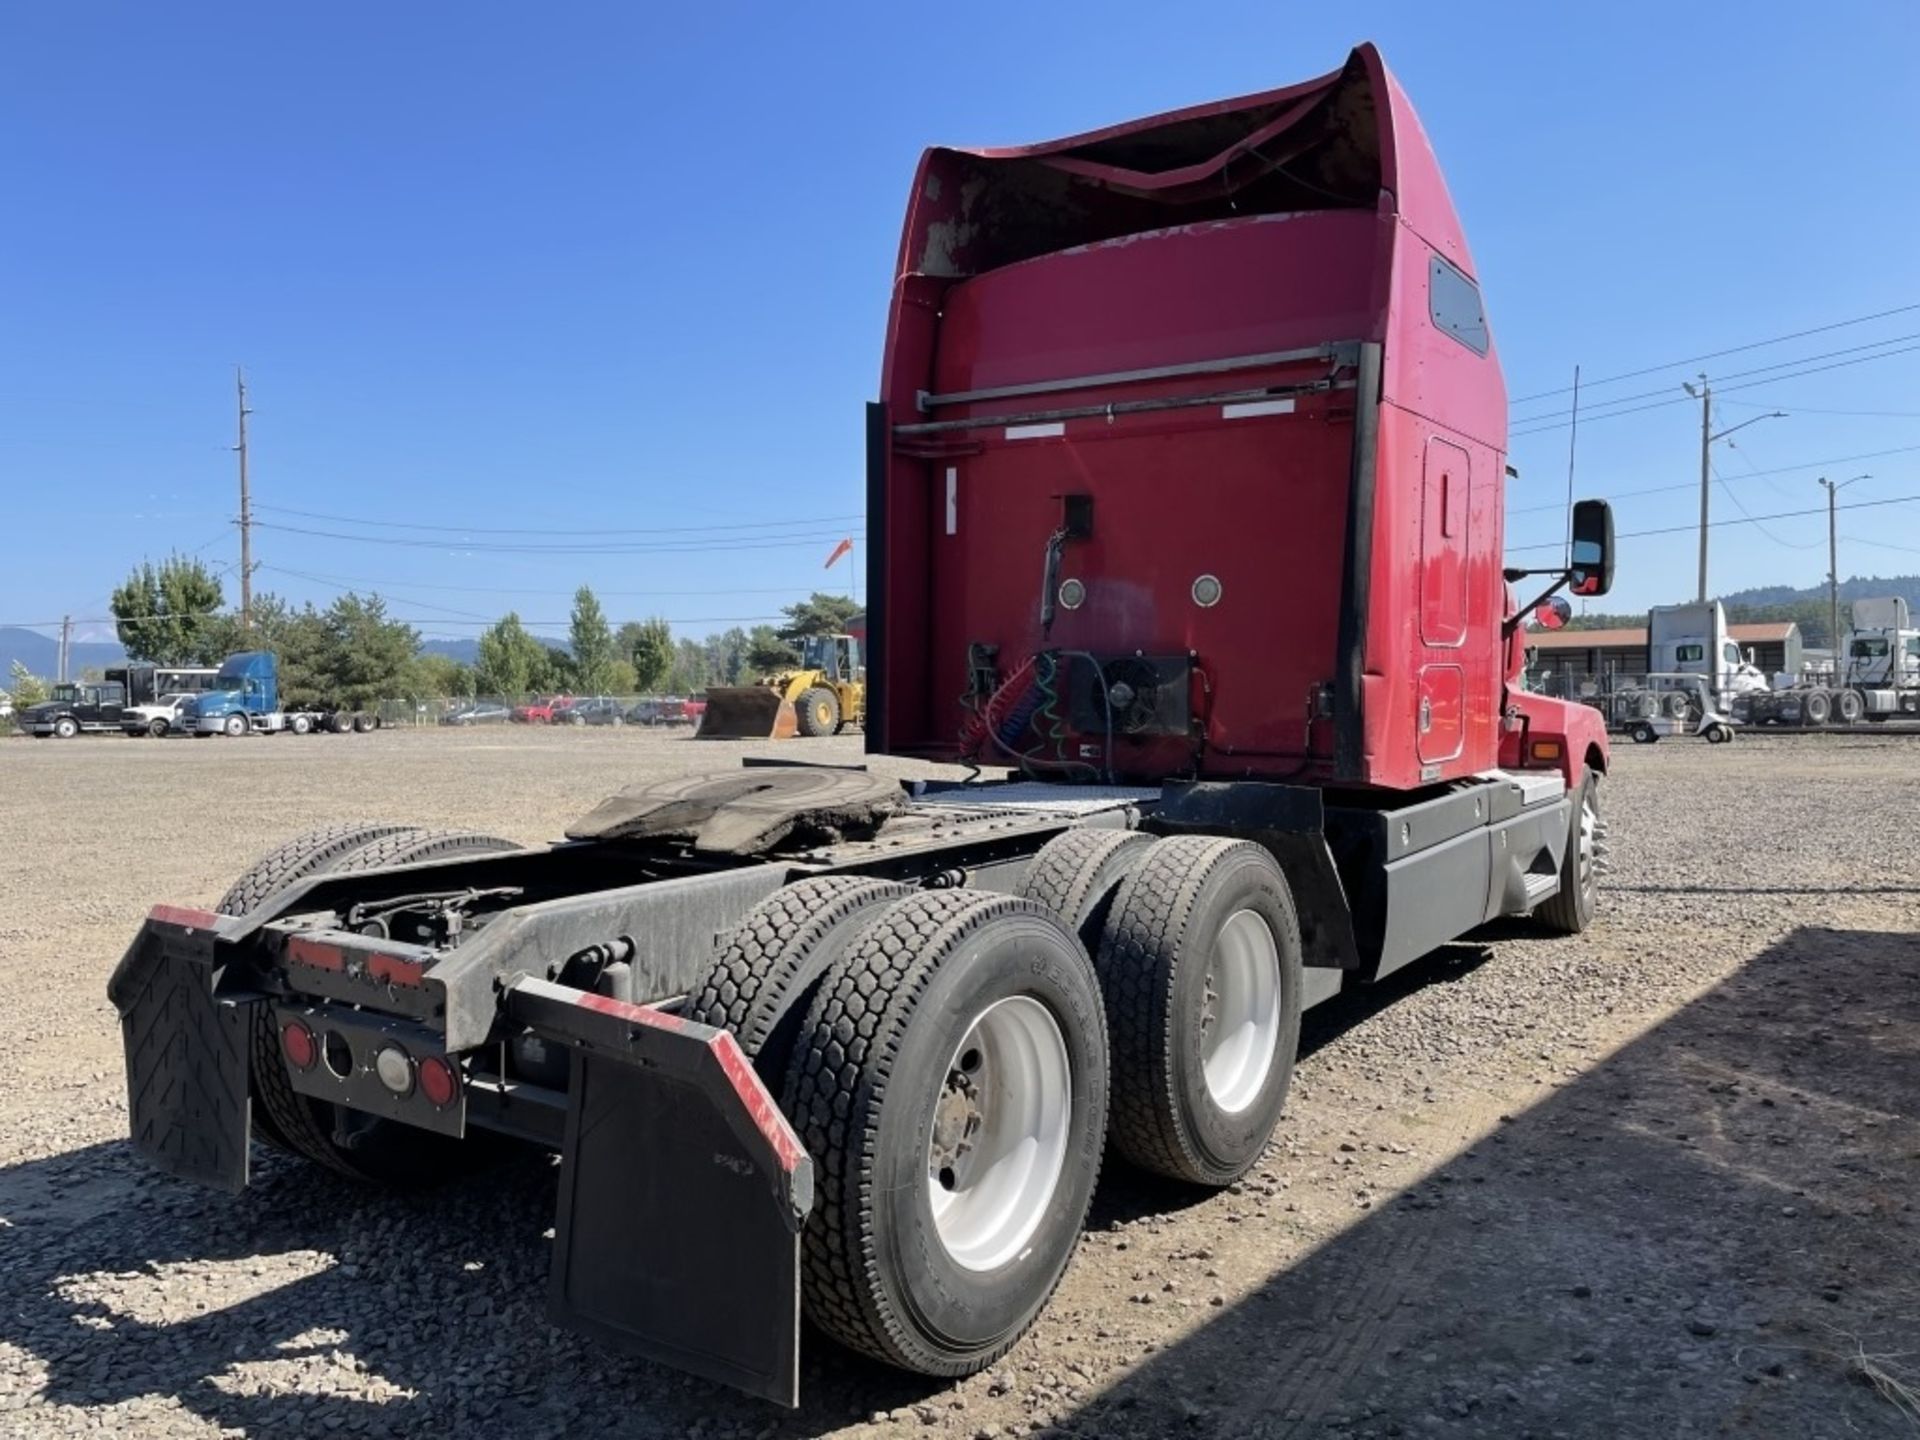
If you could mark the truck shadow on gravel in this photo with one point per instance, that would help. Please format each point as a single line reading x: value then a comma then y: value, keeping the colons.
x: 1680, y: 1241
x: 1697, y: 1236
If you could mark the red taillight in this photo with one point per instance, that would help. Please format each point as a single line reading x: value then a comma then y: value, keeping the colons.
x: 298, y: 1044
x: 439, y: 1081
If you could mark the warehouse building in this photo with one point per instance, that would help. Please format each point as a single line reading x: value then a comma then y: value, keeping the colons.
x: 1774, y: 645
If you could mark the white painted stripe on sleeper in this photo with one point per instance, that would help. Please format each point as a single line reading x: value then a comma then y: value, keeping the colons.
x: 1246, y: 409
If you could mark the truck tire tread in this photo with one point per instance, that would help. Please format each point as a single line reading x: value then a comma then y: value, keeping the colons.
x: 1076, y: 875
x: 1561, y: 912
x: 777, y: 954
x: 806, y: 716
x: 1150, y: 922
x: 284, y: 1116
x: 298, y: 857
x: 839, y: 1076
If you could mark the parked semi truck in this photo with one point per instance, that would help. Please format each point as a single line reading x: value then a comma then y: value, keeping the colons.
x: 1876, y: 675
x: 809, y: 1038
x: 244, y: 699
x: 73, y: 709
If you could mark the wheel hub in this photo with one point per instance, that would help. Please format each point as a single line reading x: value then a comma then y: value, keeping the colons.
x: 1240, y: 1012
x: 997, y: 1144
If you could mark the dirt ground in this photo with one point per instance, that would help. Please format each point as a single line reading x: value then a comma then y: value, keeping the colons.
x: 1656, y: 1181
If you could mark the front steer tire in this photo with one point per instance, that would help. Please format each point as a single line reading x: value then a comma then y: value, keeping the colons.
x: 872, y: 1072
x: 1569, y: 911
x: 1202, y: 950
x: 385, y: 1152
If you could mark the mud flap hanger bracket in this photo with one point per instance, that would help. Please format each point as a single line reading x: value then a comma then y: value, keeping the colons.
x: 683, y: 1191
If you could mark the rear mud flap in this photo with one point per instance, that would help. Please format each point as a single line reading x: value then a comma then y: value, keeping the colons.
x: 186, y: 1051
x: 683, y: 1191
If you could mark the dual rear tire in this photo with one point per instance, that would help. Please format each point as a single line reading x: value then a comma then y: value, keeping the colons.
x: 956, y: 1062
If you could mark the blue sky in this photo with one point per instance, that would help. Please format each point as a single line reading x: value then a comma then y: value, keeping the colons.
x: 603, y: 267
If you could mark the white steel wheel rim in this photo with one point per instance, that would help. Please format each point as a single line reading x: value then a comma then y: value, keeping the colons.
x: 1241, y: 1024
x: 998, y: 1144
x: 1589, y: 833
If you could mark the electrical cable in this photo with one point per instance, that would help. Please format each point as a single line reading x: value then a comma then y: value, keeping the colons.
x: 1742, y: 374
x: 812, y: 522
x: 1717, y: 354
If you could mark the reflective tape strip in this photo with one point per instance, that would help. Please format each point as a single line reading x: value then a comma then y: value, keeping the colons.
x: 1036, y: 432
x: 1247, y: 409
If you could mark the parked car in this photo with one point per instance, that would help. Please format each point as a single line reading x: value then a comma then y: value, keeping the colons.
x: 543, y: 710
x: 483, y: 713
x: 666, y: 710
x: 601, y: 710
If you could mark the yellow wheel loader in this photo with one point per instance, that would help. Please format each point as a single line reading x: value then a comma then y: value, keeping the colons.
x: 824, y: 695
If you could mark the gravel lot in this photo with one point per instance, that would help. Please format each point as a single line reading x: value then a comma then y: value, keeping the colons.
x: 1657, y: 1181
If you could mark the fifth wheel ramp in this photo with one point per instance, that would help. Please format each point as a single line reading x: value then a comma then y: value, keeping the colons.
x: 747, y: 811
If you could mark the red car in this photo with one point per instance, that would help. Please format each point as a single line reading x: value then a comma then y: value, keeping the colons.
x: 543, y: 711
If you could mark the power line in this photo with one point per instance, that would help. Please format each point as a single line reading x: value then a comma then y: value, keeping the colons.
x: 1740, y: 374
x: 1764, y: 403
x: 1783, y: 544
x: 398, y: 619
x: 375, y: 583
x: 1684, y: 400
x: 784, y: 542
x: 812, y: 522
x: 1689, y: 485
x: 1717, y: 354
x: 409, y: 599
x: 1746, y: 520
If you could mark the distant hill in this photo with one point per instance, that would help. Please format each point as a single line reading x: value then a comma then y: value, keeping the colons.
x: 465, y: 651
x: 41, y: 653
x: 1856, y: 587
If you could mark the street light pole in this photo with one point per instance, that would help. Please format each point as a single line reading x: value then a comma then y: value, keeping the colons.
x: 1706, y: 470
x: 1707, y: 436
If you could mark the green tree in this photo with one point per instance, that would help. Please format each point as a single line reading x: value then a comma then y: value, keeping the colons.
x: 767, y: 652
x: 363, y: 654
x: 554, y: 671
x: 165, y: 613
x: 508, y: 659
x: 621, y: 679
x: 692, y: 664
x: 224, y: 635
x: 26, y: 687
x: 649, y: 645
x: 820, y: 614
x: 592, y: 644
x: 435, y: 677
x: 727, y: 657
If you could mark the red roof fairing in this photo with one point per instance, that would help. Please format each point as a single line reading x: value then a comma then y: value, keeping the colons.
x: 1348, y: 140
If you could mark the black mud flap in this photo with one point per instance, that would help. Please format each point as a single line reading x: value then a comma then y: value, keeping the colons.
x: 186, y: 1051
x: 683, y: 1191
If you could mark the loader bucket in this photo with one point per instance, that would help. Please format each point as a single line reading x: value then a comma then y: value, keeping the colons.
x: 748, y: 712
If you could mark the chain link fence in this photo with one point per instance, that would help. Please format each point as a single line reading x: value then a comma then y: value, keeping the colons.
x: 611, y: 711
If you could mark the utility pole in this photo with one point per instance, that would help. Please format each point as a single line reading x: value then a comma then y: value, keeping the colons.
x: 66, y: 645
x: 1833, y: 574
x: 1833, y: 566
x: 1706, y: 473
x: 246, y: 509
x: 1707, y: 436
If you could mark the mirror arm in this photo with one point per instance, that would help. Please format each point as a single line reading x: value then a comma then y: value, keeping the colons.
x: 1513, y: 622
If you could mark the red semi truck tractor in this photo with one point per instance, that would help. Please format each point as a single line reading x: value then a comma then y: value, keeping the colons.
x: 1185, y: 507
